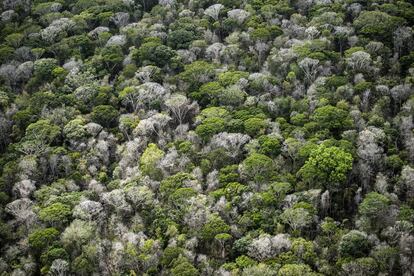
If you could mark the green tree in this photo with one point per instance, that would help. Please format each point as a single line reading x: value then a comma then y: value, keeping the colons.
x: 56, y: 214
x: 214, y: 226
x: 149, y: 159
x: 209, y: 127
x: 296, y: 270
x: 44, y: 130
x: 298, y: 217
x: 327, y: 167
x: 208, y: 93
x: 374, y: 207
x: 111, y: 57
x: 269, y: 145
x: 255, y: 126
x: 180, y: 39
x: 355, y: 244
x: 42, y: 238
x: 377, y: 25
x: 105, y: 115
x: 258, y: 167
x: 154, y: 53
x: 52, y: 254
x: 332, y: 118
x: 170, y: 254
x: 197, y: 73
x: 182, y: 267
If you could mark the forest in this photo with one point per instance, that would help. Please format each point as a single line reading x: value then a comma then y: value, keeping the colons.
x: 201, y: 137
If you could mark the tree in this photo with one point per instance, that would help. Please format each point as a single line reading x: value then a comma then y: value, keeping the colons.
x: 370, y: 152
x: 232, y: 96
x: 77, y: 234
x: 120, y: 19
x: 214, y: 226
x: 40, y: 239
x: 209, y: 127
x: 56, y: 214
x: 295, y: 270
x: 232, y: 142
x: 297, y: 218
x: 180, y: 39
x: 402, y: 37
x: 359, y: 61
x: 105, y: 115
x: 21, y: 209
x: 309, y: 67
x: 153, y: 53
x: 239, y: 15
x: 149, y: 159
x: 267, y: 247
x: 222, y: 238
x: 260, y: 269
x: 332, y: 118
x: 327, y: 167
x: 377, y: 25
x: 257, y: 167
x: 375, y: 208
x: 87, y: 210
x: 111, y: 57
x: 214, y: 11
x: 59, y: 267
x: 182, y: 267
x: 361, y: 266
x: 197, y: 73
x: 179, y: 105
x: 147, y: 95
x: 355, y: 244
x: 255, y: 126
x: 24, y: 188
x: 155, y: 124
x: 270, y: 145
x: 43, y: 130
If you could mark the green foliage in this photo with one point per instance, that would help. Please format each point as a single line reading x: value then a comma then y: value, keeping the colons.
x: 374, y: 206
x: 269, y: 145
x: 149, y: 159
x: 40, y: 239
x: 295, y: 270
x: 55, y: 214
x: 231, y: 77
x: 244, y: 261
x: 105, y: 115
x: 182, y: 267
x: 52, y: 254
x: 180, y: 39
x: 171, y: 254
x: 376, y: 24
x: 332, y: 118
x: 43, y: 130
x: 354, y: 244
x: 258, y: 167
x: 327, y: 167
x: 214, y: 226
x: 153, y: 53
x: 255, y: 126
x: 197, y: 73
x: 97, y: 168
x: 209, y: 127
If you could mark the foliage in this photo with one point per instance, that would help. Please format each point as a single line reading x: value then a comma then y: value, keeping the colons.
x: 257, y: 137
x: 327, y: 167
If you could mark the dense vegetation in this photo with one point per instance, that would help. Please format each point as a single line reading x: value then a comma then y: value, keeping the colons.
x: 200, y: 137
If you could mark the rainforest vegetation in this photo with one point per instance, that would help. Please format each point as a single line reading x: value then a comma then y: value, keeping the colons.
x: 201, y: 137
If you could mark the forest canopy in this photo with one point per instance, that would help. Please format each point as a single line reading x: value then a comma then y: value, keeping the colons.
x: 199, y: 137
